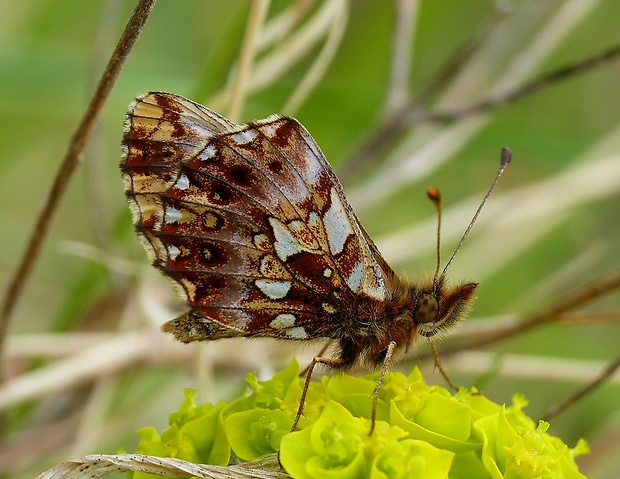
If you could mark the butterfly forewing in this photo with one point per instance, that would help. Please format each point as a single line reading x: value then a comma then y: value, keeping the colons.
x: 250, y: 221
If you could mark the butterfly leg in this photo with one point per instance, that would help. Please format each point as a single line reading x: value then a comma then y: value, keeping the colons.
x: 302, y: 400
x: 375, y: 394
x: 321, y: 353
x: 440, y: 367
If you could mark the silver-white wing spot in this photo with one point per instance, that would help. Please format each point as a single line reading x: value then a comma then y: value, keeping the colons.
x: 182, y: 183
x: 297, y: 333
x: 337, y: 224
x: 284, y: 320
x: 354, y: 280
x: 286, y: 244
x: 375, y: 286
x: 207, y: 153
x: 172, y: 215
x: 245, y: 136
x: 269, y: 129
x: 273, y: 289
x: 173, y: 252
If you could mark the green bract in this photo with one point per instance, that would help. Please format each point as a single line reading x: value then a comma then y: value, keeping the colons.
x: 421, y: 431
x: 196, y: 434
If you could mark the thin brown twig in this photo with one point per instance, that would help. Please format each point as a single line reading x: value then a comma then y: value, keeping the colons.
x: 71, y: 161
x: 395, y: 125
x: 596, y: 317
x: 521, y: 92
x: 570, y: 401
x: 460, y: 58
x: 555, y: 313
x: 390, y: 129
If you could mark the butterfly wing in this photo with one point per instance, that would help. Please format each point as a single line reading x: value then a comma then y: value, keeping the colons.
x: 250, y: 221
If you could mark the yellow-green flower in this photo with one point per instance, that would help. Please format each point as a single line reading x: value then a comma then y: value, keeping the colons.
x: 421, y: 431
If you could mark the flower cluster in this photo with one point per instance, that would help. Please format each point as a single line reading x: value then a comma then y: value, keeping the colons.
x: 421, y: 431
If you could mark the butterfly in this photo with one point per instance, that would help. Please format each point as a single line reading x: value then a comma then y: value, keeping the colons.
x: 253, y: 226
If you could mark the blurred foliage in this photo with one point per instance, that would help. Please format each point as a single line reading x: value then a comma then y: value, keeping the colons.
x: 51, y: 54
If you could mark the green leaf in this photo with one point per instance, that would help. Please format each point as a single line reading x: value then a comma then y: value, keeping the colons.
x: 195, y: 434
x: 257, y: 432
x: 411, y: 459
x: 206, y: 432
x: 417, y: 431
x: 446, y: 416
x: 332, y: 447
x: 480, y: 405
x: 409, y: 394
x: 268, y: 394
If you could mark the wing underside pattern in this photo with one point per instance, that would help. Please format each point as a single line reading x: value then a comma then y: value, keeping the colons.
x: 249, y: 221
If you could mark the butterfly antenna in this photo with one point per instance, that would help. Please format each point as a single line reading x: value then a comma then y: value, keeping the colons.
x: 435, y: 196
x: 506, y: 158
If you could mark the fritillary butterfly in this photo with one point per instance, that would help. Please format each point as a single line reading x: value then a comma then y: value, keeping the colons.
x: 252, y: 224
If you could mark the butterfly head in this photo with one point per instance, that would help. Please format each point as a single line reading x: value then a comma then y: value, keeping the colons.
x: 440, y: 308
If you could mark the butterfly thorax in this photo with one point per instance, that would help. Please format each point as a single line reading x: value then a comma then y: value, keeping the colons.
x: 410, y: 310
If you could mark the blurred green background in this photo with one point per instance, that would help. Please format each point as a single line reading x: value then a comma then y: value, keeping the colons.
x: 552, y: 226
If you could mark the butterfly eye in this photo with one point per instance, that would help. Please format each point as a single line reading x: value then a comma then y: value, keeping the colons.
x: 426, y: 309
